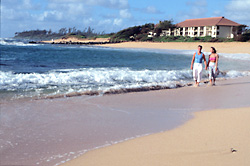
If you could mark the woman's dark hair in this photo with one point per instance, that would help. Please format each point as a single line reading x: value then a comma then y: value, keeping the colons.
x: 200, y: 46
x: 214, y: 50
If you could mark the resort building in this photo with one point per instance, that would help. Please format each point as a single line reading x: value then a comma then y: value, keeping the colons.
x: 214, y: 27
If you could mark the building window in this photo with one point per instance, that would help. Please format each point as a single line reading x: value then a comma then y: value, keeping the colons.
x: 218, y: 27
x: 218, y: 33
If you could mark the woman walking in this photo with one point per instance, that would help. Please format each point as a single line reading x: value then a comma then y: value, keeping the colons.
x: 213, y: 65
x: 196, y: 65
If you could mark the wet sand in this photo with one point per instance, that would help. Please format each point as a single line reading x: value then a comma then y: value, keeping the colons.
x: 217, y: 137
x: 49, y: 132
x: 222, y: 47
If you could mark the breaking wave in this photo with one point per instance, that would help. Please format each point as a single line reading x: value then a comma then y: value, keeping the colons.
x: 12, y: 42
x: 98, y: 81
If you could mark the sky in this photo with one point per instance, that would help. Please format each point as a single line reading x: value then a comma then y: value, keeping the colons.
x: 112, y: 15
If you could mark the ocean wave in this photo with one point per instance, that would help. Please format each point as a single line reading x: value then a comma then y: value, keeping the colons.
x: 236, y: 56
x: 99, y: 81
x: 234, y: 74
x: 12, y: 42
x: 90, y: 77
x: 89, y: 81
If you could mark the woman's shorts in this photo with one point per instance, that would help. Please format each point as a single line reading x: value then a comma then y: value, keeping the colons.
x: 212, y: 71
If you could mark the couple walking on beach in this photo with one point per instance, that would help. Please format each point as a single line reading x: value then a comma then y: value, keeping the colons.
x: 212, y: 65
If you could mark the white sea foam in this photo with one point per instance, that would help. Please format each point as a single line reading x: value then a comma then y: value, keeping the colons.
x: 91, y: 77
x: 236, y: 56
x: 234, y: 73
x: 98, y: 79
x: 12, y: 42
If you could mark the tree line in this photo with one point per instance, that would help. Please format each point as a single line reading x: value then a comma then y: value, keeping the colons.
x: 140, y: 33
x: 49, y: 34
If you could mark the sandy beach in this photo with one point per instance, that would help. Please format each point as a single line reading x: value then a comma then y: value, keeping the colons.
x: 206, y: 140
x: 223, y: 47
x: 125, y: 83
x: 59, y: 130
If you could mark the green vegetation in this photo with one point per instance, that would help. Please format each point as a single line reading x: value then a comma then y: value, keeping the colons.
x: 164, y: 25
x: 190, y: 39
x: 37, y: 34
x: 243, y: 37
x: 140, y: 33
x: 105, y: 35
x: 133, y: 33
x: 62, y: 33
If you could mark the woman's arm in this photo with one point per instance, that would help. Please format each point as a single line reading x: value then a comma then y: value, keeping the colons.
x: 216, y: 63
x: 208, y: 60
x: 192, y: 62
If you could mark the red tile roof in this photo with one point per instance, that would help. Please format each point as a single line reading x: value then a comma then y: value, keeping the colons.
x: 213, y: 21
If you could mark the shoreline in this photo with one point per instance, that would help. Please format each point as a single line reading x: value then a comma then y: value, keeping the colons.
x: 221, y: 47
x: 214, y: 137
x: 96, y: 93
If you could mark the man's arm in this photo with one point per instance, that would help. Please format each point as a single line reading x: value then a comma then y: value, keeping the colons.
x: 192, y: 62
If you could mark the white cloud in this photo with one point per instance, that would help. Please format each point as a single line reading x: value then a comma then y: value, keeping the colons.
x: 196, y: 9
x: 124, y: 13
x: 70, y: 9
x: 105, y: 22
x: 23, y: 15
x: 117, y: 22
x: 20, y: 4
x: 49, y: 16
x: 88, y: 21
x: 13, y: 14
x: 243, y: 5
x: 151, y: 9
x: 117, y: 3
x: 200, y: 3
x: 104, y: 3
x: 238, y: 11
x: 217, y: 13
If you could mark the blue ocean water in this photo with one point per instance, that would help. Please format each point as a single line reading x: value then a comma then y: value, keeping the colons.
x: 36, y: 70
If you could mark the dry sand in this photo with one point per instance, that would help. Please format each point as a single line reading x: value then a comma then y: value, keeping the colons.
x: 222, y: 47
x: 205, y: 140
x: 227, y: 47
